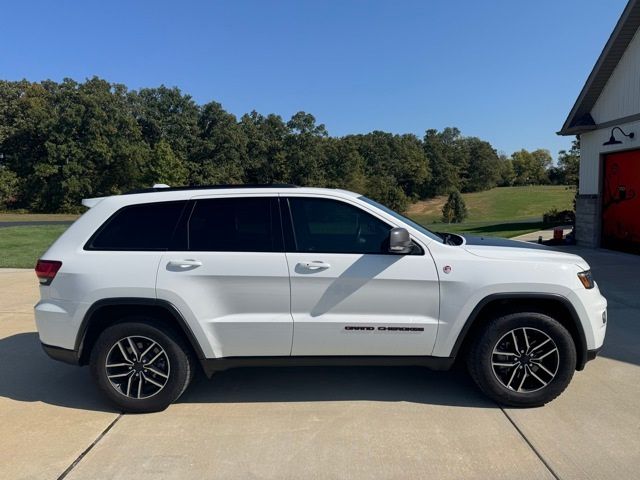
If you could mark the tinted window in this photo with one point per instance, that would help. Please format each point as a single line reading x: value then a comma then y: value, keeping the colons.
x: 329, y: 226
x: 236, y: 225
x: 406, y: 220
x: 147, y: 226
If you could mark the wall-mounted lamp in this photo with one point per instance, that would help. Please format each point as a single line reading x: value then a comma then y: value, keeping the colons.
x: 612, y: 140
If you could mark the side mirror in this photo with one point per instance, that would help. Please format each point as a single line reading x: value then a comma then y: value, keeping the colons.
x: 400, y: 241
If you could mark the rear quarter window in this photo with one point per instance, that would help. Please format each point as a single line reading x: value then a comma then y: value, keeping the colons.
x: 146, y: 226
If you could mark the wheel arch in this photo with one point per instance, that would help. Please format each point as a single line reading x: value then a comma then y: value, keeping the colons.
x: 110, y: 311
x: 554, y: 305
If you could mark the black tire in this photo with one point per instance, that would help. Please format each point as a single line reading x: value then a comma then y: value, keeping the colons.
x: 175, y: 366
x: 492, y: 377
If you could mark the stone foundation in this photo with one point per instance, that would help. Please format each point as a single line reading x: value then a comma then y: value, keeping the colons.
x: 588, y: 220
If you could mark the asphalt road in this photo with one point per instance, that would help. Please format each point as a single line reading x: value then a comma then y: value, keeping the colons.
x: 325, y: 423
x: 34, y: 223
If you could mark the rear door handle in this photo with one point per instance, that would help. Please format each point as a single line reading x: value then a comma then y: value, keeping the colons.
x: 184, y: 263
x: 315, y: 265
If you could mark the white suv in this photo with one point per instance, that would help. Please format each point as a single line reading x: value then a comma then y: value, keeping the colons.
x: 146, y: 286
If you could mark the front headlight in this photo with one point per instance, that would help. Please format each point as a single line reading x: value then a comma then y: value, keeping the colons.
x: 587, y: 279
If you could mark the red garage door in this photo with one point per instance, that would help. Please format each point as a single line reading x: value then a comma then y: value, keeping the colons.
x: 621, y: 202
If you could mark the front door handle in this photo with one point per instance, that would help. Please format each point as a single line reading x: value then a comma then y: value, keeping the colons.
x: 315, y: 265
x: 189, y: 262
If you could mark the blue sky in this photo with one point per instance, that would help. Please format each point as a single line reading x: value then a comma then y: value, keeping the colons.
x: 506, y: 71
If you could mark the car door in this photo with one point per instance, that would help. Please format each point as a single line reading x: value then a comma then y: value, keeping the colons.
x: 349, y: 295
x: 230, y: 276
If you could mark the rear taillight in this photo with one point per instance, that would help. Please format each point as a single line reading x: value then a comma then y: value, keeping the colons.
x: 46, y: 270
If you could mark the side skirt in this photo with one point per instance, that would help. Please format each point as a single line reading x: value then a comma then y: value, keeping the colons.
x: 212, y: 365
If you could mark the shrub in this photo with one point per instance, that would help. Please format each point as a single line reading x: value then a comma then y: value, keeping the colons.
x: 555, y: 216
x: 455, y: 210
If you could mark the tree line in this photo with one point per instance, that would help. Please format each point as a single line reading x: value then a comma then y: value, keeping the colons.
x: 64, y: 141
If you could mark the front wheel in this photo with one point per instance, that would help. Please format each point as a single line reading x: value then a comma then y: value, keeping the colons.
x: 523, y: 359
x: 141, y: 367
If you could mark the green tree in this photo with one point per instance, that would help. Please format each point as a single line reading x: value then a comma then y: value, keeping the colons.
x: 304, y: 150
x: 220, y: 152
x: 507, y: 174
x: 166, y: 114
x: 531, y: 168
x: 569, y: 163
x: 72, y: 141
x: 397, y: 159
x: 454, y: 210
x: 522, y: 167
x: 483, y: 170
x: 266, y: 157
x: 164, y: 167
x: 542, y: 161
x: 8, y: 187
x: 383, y: 189
x: 344, y: 166
x: 409, y: 165
x: 445, y: 159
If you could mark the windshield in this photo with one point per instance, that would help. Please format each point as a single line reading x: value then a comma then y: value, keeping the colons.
x: 402, y: 218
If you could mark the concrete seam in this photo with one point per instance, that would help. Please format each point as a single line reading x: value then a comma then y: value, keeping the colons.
x: 538, y: 454
x: 88, y: 449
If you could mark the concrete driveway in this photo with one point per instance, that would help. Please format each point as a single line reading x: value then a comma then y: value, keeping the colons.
x: 322, y: 422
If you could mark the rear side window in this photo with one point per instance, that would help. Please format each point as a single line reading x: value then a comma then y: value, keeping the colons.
x: 250, y: 224
x: 147, y: 226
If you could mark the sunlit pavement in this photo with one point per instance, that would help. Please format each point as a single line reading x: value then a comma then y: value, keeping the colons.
x: 323, y: 422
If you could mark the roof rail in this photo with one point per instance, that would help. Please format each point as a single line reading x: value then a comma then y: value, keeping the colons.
x: 157, y: 188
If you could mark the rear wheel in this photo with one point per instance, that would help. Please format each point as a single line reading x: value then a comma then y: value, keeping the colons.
x: 523, y: 359
x: 141, y: 367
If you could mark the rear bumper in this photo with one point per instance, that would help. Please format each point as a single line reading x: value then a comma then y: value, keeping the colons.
x: 61, y: 354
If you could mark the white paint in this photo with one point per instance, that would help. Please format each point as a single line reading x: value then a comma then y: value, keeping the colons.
x: 621, y: 95
x: 592, y: 150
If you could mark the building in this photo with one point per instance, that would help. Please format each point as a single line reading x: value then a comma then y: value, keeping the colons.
x: 606, y: 116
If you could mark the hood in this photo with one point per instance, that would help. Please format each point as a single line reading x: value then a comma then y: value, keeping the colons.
x: 505, y: 249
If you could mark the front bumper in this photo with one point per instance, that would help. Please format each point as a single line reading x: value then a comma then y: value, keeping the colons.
x: 591, y: 308
x: 592, y: 354
x: 62, y: 354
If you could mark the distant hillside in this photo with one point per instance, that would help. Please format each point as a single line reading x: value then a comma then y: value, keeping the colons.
x: 500, y: 204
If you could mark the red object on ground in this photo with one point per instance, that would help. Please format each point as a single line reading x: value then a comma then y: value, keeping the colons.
x: 558, y: 233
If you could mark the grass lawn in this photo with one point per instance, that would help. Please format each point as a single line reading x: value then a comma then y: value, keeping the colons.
x: 499, y: 212
x: 20, y: 247
x: 503, y: 204
x: 488, y: 229
x: 38, y: 217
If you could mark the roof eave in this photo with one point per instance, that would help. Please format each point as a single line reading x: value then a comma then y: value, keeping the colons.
x: 576, y: 130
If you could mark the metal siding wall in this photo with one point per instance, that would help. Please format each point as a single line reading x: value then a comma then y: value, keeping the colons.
x: 621, y: 95
x: 589, y: 162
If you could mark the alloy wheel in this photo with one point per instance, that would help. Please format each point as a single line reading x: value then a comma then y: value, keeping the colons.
x: 525, y: 360
x: 137, y: 367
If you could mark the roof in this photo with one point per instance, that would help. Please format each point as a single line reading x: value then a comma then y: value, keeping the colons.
x: 182, y: 193
x: 166, y: 188
x: 579, y: 119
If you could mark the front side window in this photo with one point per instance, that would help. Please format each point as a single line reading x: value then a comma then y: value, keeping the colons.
x: 250, y: 224
x: 329, y: 226
x: 146, y: 226
x: 402, y: 218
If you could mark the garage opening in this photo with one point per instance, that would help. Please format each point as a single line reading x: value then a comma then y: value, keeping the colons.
x: 621, y: 203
